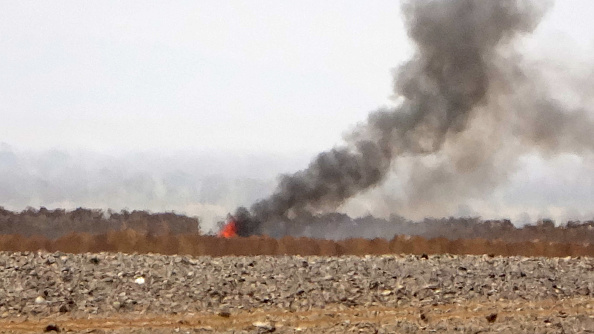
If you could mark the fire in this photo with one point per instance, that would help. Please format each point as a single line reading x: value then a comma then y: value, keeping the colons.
x: 229, y: 230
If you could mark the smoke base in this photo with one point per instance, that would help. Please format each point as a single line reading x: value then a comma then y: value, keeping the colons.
x: 470, y: 107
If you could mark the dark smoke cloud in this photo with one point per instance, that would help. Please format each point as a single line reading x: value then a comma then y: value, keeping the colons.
x: 469, y: 107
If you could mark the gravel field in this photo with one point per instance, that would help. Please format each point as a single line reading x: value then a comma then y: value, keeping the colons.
x: 107, y: 292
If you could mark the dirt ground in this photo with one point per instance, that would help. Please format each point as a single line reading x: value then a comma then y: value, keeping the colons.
x: 573, y: 315
x: 127, y: 293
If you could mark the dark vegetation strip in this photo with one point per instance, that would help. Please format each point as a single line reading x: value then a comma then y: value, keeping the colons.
x: 53, y: 224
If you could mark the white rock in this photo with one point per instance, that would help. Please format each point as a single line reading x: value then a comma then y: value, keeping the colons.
x: 262, y: 324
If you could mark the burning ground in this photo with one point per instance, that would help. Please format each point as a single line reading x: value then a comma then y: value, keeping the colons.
x: 53, y: 224
x: 469, y: 107
x: 84, y: 230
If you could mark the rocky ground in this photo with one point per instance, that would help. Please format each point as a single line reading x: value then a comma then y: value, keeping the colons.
x: 121, y: 293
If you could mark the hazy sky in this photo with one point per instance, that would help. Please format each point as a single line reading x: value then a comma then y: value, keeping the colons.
x: 235, y: 76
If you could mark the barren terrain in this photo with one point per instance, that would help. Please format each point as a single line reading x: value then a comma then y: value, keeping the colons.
x: 109, y: 292
x: 156, y: 273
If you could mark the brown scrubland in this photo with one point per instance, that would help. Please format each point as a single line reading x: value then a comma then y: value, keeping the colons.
x: 85, y: 230
x: 130, y: 241
x: 59, y: 222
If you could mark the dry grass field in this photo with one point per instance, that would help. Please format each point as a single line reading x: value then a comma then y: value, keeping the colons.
x: 131, y: 241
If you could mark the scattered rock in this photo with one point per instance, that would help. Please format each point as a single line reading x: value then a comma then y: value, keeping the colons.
x: 424, y: 317
x: 224, y: 314
x: 51, y: 328
x: 491, y: 317
x: 75, y: 285
x: 264, y: 327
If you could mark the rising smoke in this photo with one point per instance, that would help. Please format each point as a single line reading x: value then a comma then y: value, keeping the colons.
x: 469, y: 107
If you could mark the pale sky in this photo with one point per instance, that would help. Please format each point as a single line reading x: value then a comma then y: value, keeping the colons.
x: 290, y: 77
x: 261, y: 75
x: 235, y: 75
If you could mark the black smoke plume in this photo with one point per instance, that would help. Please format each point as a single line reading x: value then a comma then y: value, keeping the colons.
x: 464, y: 92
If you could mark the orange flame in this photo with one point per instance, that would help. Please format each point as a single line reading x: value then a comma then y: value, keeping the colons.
x: 229, y: 230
